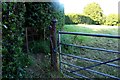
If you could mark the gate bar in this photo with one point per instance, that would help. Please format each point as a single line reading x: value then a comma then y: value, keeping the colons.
x: 89, y: 34
x: 92, y: 48
x: 90, y: 70
x: 59, y: 47
x: 98, y: 64
x: 87, y: 59
x: 80, y: 75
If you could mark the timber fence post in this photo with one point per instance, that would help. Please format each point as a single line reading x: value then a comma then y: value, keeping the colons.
x: 53, y: 42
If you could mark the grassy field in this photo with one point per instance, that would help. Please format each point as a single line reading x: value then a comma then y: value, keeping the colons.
x: 98, y: 42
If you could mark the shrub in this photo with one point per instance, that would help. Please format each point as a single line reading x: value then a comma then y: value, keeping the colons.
x: 112, y: 20
x: 78, y: 19
x: 17, y: 16
x: 86, y: 20
x: 68, y: 20
x: 13, y: 57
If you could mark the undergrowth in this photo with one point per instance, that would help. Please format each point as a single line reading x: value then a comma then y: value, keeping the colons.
x: 41, y: 67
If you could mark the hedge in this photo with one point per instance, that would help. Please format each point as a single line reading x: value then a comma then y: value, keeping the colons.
x: 78, y: 19
x: 15, y: 17
x: 110, y: 20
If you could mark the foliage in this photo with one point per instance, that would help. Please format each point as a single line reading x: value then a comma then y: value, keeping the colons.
x: 75, y: 18
x: 68, y: 20
x: 40, y: 18
x: 72, y: 19
x: 78, y: 19
x: 94, y: 11
x: 14, y: 60
x: 118, y: 19
x: 103, y: 20
x: 112, y: 20
x: 39, y: 47
x: 86, y: 20
x: 17, y: 16
x: 42, y: 14
x: 93, y: 14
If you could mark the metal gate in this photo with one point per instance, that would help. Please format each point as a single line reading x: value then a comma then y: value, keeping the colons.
x: 88, y: 68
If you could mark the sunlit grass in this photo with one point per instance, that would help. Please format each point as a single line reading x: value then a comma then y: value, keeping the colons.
x: 92, y: 29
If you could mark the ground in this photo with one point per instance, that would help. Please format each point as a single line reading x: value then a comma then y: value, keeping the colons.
x: 41, y: 68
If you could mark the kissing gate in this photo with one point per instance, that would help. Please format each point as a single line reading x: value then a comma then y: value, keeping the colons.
x: 73, y: 71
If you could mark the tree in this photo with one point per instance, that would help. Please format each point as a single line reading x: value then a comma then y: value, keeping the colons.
x: 94, y: 11
x: 112, y: 20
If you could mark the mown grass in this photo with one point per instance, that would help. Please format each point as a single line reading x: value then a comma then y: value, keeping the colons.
x: 92, y: 29
x: 105, y: 43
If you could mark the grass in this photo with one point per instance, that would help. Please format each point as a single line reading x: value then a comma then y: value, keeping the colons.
x: 105, y: 43
x: 92, y: 29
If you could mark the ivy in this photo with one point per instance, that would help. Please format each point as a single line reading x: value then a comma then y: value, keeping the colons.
x: 14, y: 59
x: 15, y: 17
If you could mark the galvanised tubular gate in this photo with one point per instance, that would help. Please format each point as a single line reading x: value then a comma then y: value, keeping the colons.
x: 87, y: 59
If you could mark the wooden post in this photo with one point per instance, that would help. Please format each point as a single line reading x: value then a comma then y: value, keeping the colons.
x: 26, y: 39
x: 54, y: 63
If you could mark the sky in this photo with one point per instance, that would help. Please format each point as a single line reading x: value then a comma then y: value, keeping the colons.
x: 77, y: 6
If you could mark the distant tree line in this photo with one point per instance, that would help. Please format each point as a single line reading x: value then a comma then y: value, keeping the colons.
x: 92, y: 14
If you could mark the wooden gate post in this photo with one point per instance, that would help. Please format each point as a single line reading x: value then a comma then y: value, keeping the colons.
x: 54, y: 63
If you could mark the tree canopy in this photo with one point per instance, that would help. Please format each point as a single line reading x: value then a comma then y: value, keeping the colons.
x: 112, y: 19
x: 94, y: 11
